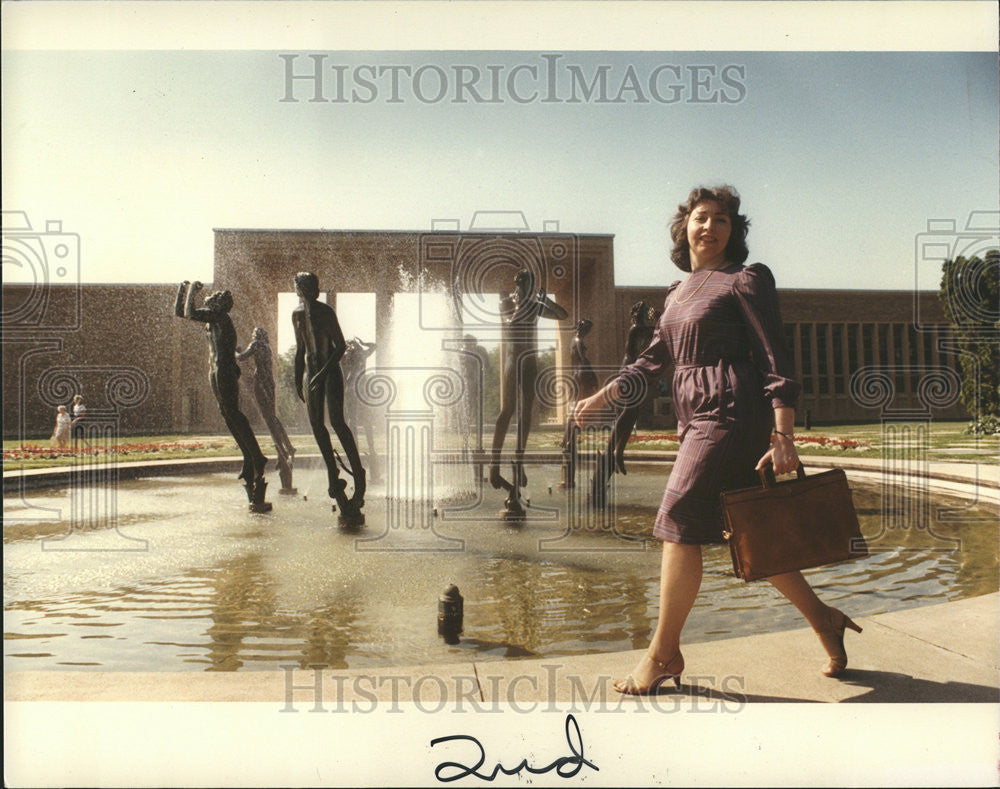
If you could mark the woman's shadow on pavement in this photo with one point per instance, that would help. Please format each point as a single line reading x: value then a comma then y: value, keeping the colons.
x: 890, y: 687
x: 883, y: 687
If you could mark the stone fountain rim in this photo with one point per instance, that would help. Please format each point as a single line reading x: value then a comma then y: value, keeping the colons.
x: 968, y: 483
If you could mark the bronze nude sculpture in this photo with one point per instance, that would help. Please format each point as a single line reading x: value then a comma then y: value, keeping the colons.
x: 259, y: 351
x: 519, y: 314
x: 473, y: 363
x: 585, y: 384
x: 640, y: 335
x: 319, y: 346
x: 224, y: 376
x: 357, y: 413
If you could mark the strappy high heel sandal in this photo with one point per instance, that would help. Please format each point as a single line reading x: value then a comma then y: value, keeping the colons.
x: 832, y: 639
x: 670, y: 670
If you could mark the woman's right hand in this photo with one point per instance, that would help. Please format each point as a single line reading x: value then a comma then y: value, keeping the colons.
x: 590, y: 408
x: 583, y: 410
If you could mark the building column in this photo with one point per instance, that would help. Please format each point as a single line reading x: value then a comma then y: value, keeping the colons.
x: 383, y: 320
x: 830, y: 405
x: 814, y: 360
x: 797, y: 350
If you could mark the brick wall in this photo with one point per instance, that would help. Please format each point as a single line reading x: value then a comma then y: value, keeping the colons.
x: 145, y: 370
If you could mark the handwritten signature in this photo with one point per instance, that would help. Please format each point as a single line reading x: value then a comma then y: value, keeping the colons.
x: 565, y: 766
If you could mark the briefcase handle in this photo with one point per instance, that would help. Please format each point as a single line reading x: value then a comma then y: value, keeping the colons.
x: 767, y: 475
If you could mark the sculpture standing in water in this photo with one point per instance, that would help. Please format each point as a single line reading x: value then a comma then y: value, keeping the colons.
x: 319, y: 346
x: 640, y: 335
x: 357, y: 413
x: 519, y: 314
x: 585, y: 381
x: 224, y: 376
x: 263, y: 392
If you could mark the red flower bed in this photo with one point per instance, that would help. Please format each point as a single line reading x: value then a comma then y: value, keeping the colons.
x: 654, y: 437
x: 837, y: 443
x: 29, y: 451
x: 800, y: 440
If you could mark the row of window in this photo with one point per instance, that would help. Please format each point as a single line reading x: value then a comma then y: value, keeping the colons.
x: 827, y: 354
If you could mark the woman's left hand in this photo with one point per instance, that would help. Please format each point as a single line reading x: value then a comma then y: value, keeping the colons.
x: 782, y: 455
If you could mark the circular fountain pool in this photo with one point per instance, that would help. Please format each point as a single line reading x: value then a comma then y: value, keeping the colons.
x: 188, y: 580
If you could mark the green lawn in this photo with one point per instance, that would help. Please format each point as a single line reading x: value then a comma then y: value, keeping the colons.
x: 940, y: 441
x: 133, y: 448
x: 943, y: 440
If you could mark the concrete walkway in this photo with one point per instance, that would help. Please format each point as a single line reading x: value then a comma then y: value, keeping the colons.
x: 940, y: 653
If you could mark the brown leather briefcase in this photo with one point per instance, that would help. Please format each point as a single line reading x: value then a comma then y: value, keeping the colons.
x: 793, y: 525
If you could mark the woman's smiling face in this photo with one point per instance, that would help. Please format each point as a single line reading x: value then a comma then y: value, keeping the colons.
x: 708, y: 230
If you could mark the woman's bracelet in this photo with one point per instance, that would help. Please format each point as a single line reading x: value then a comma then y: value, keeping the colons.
x: 784, y: 435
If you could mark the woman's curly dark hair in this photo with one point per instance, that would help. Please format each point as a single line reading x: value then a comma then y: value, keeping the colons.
x: 729, y: 199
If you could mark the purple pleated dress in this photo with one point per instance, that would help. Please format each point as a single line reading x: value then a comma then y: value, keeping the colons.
x: 724, y: 337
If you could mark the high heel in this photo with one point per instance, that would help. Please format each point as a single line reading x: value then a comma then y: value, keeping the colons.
x: 670, y: 670
x: 832, y: 639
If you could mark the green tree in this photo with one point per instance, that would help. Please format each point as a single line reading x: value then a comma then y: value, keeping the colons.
x: 290, y: 409
x: 970, y: 295
x: 491, y: 388
x: 491, y: 385
x: 543, y: 413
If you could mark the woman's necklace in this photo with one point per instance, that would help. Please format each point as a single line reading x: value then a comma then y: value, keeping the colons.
x: 700, y: 286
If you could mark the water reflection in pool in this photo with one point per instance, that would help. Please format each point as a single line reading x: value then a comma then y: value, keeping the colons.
x: 218, y: 589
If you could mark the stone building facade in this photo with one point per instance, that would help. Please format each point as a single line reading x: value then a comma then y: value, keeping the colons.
x: 896, y: 341
x: 142, y: 370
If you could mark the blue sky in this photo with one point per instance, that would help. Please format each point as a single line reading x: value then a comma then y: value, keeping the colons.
x: 841, y: 157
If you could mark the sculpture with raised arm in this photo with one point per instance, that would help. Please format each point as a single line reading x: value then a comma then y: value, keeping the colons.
x: 259, y: 351
x: 519, y: 314
x: 319, y: 346
x: 224, y: 376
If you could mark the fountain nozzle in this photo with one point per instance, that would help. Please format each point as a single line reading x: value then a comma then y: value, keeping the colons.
x: 450, y: 613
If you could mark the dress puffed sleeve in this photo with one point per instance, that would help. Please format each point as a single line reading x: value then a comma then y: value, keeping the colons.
x: 634, y: 379
x: 758, y: 300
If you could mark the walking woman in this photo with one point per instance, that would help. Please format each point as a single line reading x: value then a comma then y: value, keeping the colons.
x: 79, y: 414
x: 60, y: 436
x: 722, y: 332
